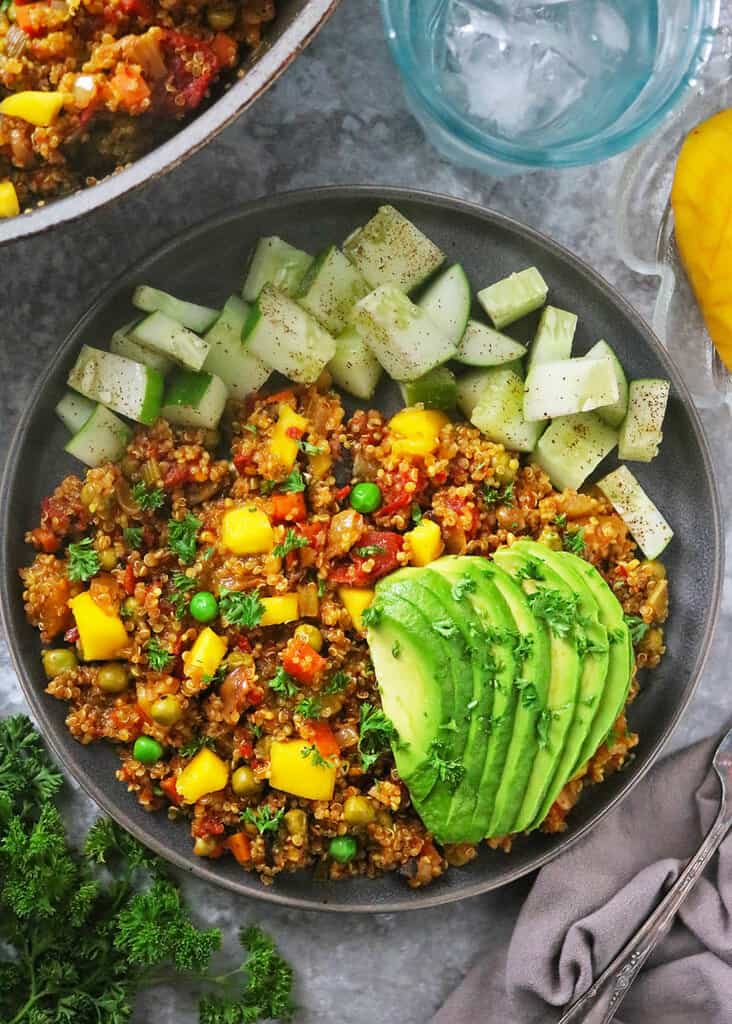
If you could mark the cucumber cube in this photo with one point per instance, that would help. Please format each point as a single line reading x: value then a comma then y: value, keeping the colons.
x: 277, y: 263
x: 390, y: 250
x: 499, y: 412
x: 229, y: 357
x: 126, y: 387
x: 122, y: 345
x: 354, y: 367
x: 572, y: 447
x: 553, y: 338
x: 436, y: 390
x: 102, y: 438
x: 74, y: 410
x: 189, y: 314
x: 194, y: 399
x: 514, y: 297
x: 287, y: 338
x: 163, y: 334
x: 569, y: 386
x: 649, y: 528
x: 331, y: 288
x: 447, y: 301
x: 642, y: 430
x: 612, y: 414
x: 483, y: 346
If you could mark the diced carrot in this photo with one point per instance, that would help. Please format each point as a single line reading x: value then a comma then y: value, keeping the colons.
x: 45, y: 539
x: 321, y: 734
x: 289, y: 508
x: 129, y: 88
x: 302, y: 661
x: 241, y: 847
x: 226, y: 49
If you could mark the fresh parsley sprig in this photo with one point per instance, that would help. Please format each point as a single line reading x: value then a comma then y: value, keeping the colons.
x: 158, y: 658
x: 148, y: 500
x: 376, y: 733
x: 638, y: 628
x: 83, y: 561
x: 263, y: 819
x: 182, y: 536
x: 241, y: 608
x: 292, y: 542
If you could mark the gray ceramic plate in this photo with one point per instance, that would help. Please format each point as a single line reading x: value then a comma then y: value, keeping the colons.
x: 206, y: 264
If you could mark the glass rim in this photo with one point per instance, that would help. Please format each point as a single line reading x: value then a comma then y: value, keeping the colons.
x: 600, y: 147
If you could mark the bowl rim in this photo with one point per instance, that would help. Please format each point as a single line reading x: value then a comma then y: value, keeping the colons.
x: 35, y: 696
x: 577, y: 154
x: 268, y: 63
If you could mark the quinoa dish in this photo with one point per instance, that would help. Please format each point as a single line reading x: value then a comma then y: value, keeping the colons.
x: 344, y: 641
x: 87, y: 87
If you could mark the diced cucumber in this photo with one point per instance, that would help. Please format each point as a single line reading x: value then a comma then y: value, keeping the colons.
x: 470, y: 386
x: 553, y: 338
x: 103, y: 438
x: 483, y: 346
x: 499, y: 412
x: 649, y: 528
x: 194, y: 399
x: 122, y: 345
x: 152, y: 300
x: 286, y: 337
x: 229, y: 357
x: 389, y: 249
x: 642, y: 430
x: 354, y: 367
x: 514, y: 297
x: 331, y: 288
x: 164, y: 334
x: 436, y: 390
x: 403, y: 338
x: 569, y: 386
x: 612, y: 414
x: 74, y: 410
x: 447, y: 301
x: 572, y: 447
x: 278, y: 263
x: 127, y: 387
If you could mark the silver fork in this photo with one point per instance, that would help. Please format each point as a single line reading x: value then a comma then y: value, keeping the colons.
x: 601, y: 1001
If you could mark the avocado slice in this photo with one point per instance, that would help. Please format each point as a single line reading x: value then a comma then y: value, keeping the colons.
x: 621, y: 659
x: 555, y: 718
x: 595, y: 661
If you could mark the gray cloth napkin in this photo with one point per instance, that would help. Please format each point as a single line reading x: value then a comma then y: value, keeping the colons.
x: 585, y: 905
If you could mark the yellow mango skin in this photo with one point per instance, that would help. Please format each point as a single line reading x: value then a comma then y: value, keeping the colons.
x: 294, y: 771
x: 205, y: 773
x: 102, y: 637
x: 701, y: 198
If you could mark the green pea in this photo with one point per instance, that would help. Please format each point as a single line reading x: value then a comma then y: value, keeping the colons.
x: 343, y: 849
x: 113, y: 678
x: 58, y: 660
x: 203, y: 606
x: 244, y: 782
x: 166, y: 710
x: 366, y: 497
x: 108, y: 559
x: 147, y: 750
x: 358, y: 810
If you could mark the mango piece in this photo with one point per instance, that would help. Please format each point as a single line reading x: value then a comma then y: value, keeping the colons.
x: 9, y: 205
x: 247, y: 531
x: 294, y: 769
x: 102, y: 636
x: 286, y: 434
x: 701, y: 198
x: 320, y: 465
x: 204, y: 773
x: 38, y: 108
x: 356, y: 600
x: 206, y: 654
x: 283, y: 608
x: 416, y: 431
x: 424, y: 542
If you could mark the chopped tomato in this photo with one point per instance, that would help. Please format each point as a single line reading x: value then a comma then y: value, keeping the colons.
x: 302, y: 661
x: 137, y: 9
x: 314, y: 533
x: 170, y: 789
x: 176, y: 476
x: 243, y: 644
x: 242, y: 461
x: 129, y: 88
x: 289, y: 508
x: 379, y: 549
x: 45, y: 539
x: 240, y: 846
x: 38, y: 19
x: 129, y: 581
x: 207, y: 826
x: 321, y: 734
x: 295, y: 433
x: 343, y: 493
x: 246, y: 749
x: 192, y: 64
x: 226, y: 49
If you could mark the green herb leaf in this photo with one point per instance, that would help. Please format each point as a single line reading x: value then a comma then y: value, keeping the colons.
x: 311, y: 449
x: 292, y: 542
x: 182, y: 534
x: 83, y: 561
x: 132, y: 536
x: 416, y: 514
x: 445, y: 627
x: 396, y: 649
x: 293, y: 482
x: 157, y: 657
x: 638, y: 628
x: 451, y: 772
x: 182, y: 587
x: 283, y: 683
x: 315, y: 756
x: 241, y: 608
x: 494, y: 495
x: 371, y: 616
x: 149, y: 501
x: 559, y: 612
x: 529, y: 693
x: 369, y: 550
x: 376, y: 732
x: 465, y: 585
x: 308, y: 707
x: 574, y: 542
x: 560, y: 520
x: 337, y: 682
x: 263, y: 818
x: 531, y: 570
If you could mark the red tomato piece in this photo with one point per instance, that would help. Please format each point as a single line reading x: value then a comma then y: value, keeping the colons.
x: 301, y: 661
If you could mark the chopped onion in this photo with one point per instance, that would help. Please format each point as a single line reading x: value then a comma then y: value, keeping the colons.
x: 84, y: 90
x: 15, y: 41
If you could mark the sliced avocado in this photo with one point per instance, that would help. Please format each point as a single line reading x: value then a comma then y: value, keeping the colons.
x: 594, y: 649
x: 492, y: 719
x: 621, y: 661
x: 555, y: 718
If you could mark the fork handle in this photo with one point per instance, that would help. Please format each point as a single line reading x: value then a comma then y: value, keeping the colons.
x: 601, y: 1001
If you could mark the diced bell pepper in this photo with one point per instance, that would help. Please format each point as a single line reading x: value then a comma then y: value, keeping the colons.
x: 38, y: 108
x: 9, y: 205
x: 283, y: 608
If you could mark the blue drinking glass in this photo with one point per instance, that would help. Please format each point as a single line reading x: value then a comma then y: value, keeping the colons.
x: 508, y: 85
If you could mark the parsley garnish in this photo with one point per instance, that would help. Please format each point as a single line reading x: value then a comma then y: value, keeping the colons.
x: 149, y: 501
x: 196, y: 743
x: 371, y: 616
x: 544, y: 721
x: 445, y: 627
x: 560, y: 520
x: 263, y: 819
x: 494, y: 495
x: 559, y: 612
x: 531, y: 570
x: 83, y: 561
x: 376, y: 732
x: 157, y: 657
x: 182, y: 586
x: 308, y: 707
x: 182, y: 535
x: 322, y: 587
x: 396, y: 649
x: 449, y: 772
x: 574, y: 541
x: 241, y: 608
x: 310, y: 449
x: 638, y: 628
x: 523, y: 647
x: 369, y: 550
x: 133, y: 537
x: 293, y: 482
x: 251, y: 427
x: 616, y: 635
x: 317, y: 758
x: 529, y: 693
x: 337, y: 682
x: 267, y: 486
x: 292, y: 542
x: 282, y: 682
x: 465, y: 585
x: 416, y: 514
